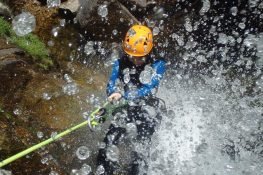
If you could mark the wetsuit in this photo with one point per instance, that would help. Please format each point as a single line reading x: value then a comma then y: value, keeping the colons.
x: 129, y: 75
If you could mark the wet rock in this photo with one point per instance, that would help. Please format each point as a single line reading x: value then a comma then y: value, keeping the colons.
x: 9, y: 56
x: 4, y: 52
x: 118, y: 18
x: 84, y: 13
x: 3, y: 129
x: 59, y: 110
x: 158, y: 15
x: 15, y: 77
x: 16, y: 136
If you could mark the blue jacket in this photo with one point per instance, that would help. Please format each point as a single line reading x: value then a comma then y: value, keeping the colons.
x: 122, y: 65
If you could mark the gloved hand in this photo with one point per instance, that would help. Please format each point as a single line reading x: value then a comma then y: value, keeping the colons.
x: 114, y: 97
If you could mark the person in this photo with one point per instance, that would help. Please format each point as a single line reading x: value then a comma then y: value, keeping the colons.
x: 134, y: 77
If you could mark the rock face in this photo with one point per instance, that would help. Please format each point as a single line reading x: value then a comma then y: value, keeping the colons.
x: 122, y: 14
x: 108, y: 27
x: 84, y: 12
x: 32, y: 101
x: 11, y: 70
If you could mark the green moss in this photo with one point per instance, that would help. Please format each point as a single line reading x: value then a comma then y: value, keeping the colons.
x: 5, y: 27
x: 5, y: 114
x: 29, y: 43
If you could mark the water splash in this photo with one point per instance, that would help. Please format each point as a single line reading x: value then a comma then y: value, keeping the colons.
x: 203, y: 134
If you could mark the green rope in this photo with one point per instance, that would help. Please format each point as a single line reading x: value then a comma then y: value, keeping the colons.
x: 52, y: 139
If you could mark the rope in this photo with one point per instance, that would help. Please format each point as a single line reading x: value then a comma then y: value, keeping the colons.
x: 50, y: 140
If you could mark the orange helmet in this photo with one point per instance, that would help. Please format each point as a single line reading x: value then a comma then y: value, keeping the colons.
x: 138, y: 41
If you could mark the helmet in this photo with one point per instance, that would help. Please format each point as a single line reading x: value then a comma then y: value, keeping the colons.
x: 138, y: 41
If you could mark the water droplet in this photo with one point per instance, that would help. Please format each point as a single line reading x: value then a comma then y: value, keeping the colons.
x: 103, y: 11
x: 62, y: 22
x: 188, y: 26
x: 40, y: 134
x: 83, y: 153
x: 250, y: 41
x: 46, y: 96
x: 115, y: 32
x: 156, y: 31
x: 131, y: 32
x: 126, y: 78
x: 85, y: 169
x: 89, y: 49
x: 146, y: 75
x: 53, y: 173
x: 100, y: 170
x: 234, y: 11
x: 201, y: 58
x: 113, y: 153
x: 17, y: 111
x: 75, y: 172
x: 179, y: 39
x: 24, y: 23
x: 102, y: 145
x: 50, y: 43
x: 55, y: 31
x: 253, y: 3
x: 159, y: 13
x: 44, y: 160
x: 205, y: 7
x: 53, y: 3
x: 131, y: 130
x: 241, y: 25
x: 67, y: 78
x: 70, y: 89
x: 222, y: 38
x: 53, y: 134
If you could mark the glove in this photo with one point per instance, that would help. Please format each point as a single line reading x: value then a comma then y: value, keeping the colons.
x: 114, y: 97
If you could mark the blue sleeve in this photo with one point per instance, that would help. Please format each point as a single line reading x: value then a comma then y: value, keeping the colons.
x: 159, y: 68
x: 111, y: 86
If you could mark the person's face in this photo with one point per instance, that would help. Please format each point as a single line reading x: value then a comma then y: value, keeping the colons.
x: 137, y: 60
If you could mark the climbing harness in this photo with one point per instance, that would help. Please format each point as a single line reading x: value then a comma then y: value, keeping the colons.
x: 94, y: 119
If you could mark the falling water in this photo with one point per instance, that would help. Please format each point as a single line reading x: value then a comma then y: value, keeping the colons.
x: 207, y: 132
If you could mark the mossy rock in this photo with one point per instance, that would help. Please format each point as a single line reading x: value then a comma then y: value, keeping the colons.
x: 30, y: 43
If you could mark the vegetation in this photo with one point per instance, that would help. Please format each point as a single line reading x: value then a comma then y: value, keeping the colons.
x: 30, y: 43
x: 5, y: 114
x: 5, y: 27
